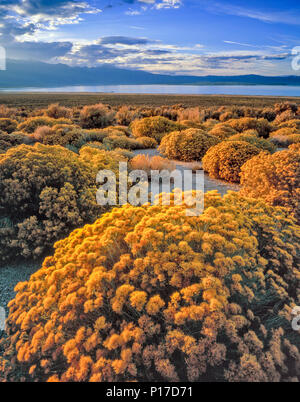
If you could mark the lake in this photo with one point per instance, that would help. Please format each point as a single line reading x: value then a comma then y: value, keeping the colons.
x: 259, y: 90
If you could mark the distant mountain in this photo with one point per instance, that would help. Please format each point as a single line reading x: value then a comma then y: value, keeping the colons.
x: 37, y: 74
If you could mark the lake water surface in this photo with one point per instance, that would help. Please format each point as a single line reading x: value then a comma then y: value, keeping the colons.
x: 260, y: 90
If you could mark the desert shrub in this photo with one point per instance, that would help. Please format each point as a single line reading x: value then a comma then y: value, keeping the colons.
x: 8, y: 125
x: 95, y: 135
x: 122, y: 154
x: 268, y: 114
x: 55, y: 111
x: 295, y: 123
x: 260, y: 143
x: 126, y: 115
x: 190, y: 114
x: 210, y: 124
x: 285, y: 140
x: 295, y: 147
x: 149, y: 294
x: 31, y: 124
x: 121, y: 141
x: 8, y: 141
x: 262, y: 126
x: 58, y: 135
x: 147, y: 142
x: 285, y: 106
x: 284, y: 131
x: 222, y: 131
x: 224, y: 161
x: 191, y: 124
x: 147, y: 163
x: 228, y: 115
x: 123, y: 129
x: 45, y: 191
x: 275, y: 178
x: 154, y: 127
x: 102, y: 159
x: 288, y: 115
x: 188, y: 145
x: 96, y: 116
x: 6, y: 112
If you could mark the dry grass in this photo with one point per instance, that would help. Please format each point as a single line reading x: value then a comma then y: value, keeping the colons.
x: 146, y: 163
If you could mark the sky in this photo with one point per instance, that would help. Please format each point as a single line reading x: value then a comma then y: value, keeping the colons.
x: 177, y: 37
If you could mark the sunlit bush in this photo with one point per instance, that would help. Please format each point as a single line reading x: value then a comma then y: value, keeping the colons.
x: 10, y: 140
x: 285, y: 140
x: 8, y: 125
x: 45, y: 192
x: 149, y: 294
x: 126, y: 115
x: 224, y: 161
x: 154, y: 127
x: 55, y: 111
x: 262, y: 126
x: 121, y: 141
x: 60, y: 135
x: 261, y: 143
x: 147, y: 163
x: 291, y: 124
x: 147, y: 142
x: 222, y: 131
x: 275, y: 178
x: 96, y: 116
x: 32, y: 123
x: 188, y: 145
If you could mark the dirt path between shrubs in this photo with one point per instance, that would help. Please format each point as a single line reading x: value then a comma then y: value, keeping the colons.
x: 12, y: 274
x: 209, y: 184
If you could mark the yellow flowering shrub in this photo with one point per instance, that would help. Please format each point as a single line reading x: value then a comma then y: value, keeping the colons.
x: 260, y: 143
x: 155, y: 127
x: 262, y: 126
x: 275, y: 178
x: 188, y: 145
x: 224, y: 161
x: 32, y: 123
x: 45, y: 192
x: 222, y: 131
x: 147, y: 142
x: 295, y: 147
x: 149, y: 294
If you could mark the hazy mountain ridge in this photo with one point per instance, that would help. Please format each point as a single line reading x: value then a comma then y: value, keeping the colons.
x: 37, y: 74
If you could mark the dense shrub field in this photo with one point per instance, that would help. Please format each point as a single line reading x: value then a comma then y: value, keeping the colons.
x: 148, y: 293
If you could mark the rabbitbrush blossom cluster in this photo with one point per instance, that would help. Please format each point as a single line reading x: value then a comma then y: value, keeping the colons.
x: 148, y: 294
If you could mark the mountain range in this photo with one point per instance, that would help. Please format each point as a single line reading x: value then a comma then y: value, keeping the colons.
x: 24, y: 74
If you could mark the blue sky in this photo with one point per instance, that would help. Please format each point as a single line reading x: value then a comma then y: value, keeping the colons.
x: 194, y: 37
